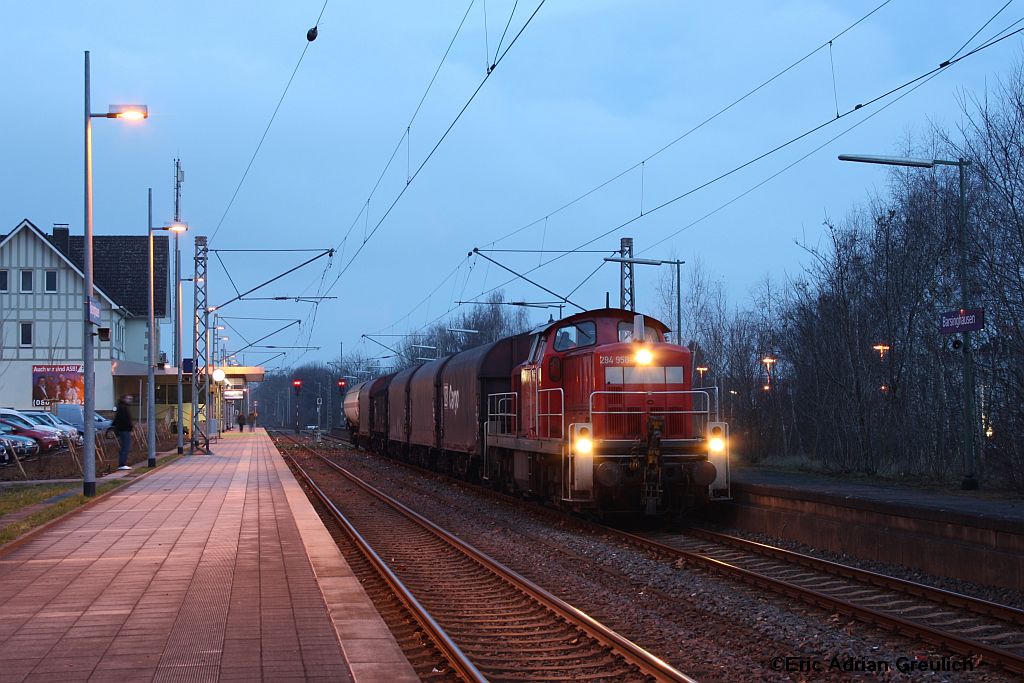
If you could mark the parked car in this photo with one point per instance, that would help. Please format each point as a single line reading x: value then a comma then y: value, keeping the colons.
x: 72, y: 414
x: 22, y: 445
x: 47, y: 437
x: 47, y: 420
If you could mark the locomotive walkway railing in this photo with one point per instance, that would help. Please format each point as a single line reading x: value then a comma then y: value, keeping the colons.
x: 624, y: 421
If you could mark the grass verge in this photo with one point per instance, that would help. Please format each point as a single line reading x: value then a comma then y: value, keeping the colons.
x: 15, y: 498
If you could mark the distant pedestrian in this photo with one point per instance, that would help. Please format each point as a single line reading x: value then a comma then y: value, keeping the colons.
x: 122, y: 426
x: 241, y: 422
x: 252, y: 421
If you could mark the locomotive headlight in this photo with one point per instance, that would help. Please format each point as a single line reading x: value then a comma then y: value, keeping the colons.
x: 644, y: 356
x: 584, y: 445
x: 716, y: 440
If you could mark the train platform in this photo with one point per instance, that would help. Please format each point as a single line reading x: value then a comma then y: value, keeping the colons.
x: 975, y: 504
x: 215, y: 567
x: 975, y: 536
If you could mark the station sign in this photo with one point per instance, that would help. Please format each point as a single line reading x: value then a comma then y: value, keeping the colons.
x: 92, y: 311
x: 233, y: 394
x: 963, y: 320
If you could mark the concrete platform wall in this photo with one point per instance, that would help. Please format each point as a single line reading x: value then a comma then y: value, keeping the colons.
x: 945, y: 543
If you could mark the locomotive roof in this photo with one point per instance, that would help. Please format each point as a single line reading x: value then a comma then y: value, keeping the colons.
x: 613, y: 313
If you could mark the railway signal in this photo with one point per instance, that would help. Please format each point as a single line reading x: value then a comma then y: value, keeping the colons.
x: 342, y: 384
x: 297, y: 385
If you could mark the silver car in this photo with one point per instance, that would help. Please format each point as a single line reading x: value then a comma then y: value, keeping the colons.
x: 48, y: 420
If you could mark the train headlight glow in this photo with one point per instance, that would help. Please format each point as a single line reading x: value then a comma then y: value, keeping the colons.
x: 644, y: 357
x: 716, y: 440
x: 584, y: 445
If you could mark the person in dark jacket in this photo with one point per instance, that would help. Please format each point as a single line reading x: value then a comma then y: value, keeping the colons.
x: 252, y: 421
x: 122, y: 426
x: 241, y: 421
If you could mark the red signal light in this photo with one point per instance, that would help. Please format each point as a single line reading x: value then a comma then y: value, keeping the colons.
x: 297, y: 383
x: 342, y: 384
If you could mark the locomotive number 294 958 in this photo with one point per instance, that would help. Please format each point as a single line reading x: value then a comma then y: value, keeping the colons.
x: 615, y: 360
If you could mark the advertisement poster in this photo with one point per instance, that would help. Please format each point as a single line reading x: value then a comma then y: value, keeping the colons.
x: 57, y: 384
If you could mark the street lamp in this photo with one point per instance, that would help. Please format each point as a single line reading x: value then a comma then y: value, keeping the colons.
x: 881, y: 348
x: 970, y: 480
x: 151, y: 343
x: 701, y: 369
x: 118, y: 111
x: 768, y: 362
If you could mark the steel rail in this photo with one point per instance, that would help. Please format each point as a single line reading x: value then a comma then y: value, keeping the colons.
x: 870, y: 615
x: 435, y: 632
x: 939, y: 595
x: 890, y: 622
x: 646, y: 662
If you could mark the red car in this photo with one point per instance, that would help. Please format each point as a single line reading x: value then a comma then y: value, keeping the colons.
x: 47, y: 439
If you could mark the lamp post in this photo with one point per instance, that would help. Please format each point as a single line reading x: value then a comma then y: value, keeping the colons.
x: 177, y: 228
x: 151, y: 338
x: 970, y: 480
x: 129, y: 112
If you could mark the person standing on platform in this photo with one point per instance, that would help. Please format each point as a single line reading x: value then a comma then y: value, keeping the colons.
x: 122, y: 426
x: 252, y: 421
x: 241, y: 422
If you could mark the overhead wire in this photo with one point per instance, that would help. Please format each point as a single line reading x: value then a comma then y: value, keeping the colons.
x: 1003, y: 35
x: 437, y: 145
x: 913, y: 84
x: 365, y: 207
x: 266, y: 130
x: 694, y: 128
x: 666, y: 146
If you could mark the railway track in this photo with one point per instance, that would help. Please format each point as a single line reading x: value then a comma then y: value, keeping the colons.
x: 490, y: 622
x: 962, y: 624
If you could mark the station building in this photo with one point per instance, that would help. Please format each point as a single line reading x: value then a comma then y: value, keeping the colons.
x: 42, y: 294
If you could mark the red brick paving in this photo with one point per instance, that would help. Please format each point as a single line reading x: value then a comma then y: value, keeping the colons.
x: 196, y: 572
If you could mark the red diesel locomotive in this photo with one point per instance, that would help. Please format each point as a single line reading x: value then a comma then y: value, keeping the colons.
x: 592, y: 411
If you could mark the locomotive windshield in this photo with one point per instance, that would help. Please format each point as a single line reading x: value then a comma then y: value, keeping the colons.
x: 575, y: 336
x: 626, y: 333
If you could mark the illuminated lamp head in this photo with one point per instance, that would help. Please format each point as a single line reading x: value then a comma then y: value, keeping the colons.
x: 584, y: 444
x: 644, y: 356
x: 716, y: 441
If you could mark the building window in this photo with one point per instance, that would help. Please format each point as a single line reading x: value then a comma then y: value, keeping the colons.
x: 26, y: 334
x: 51, y: 281
x: 26, y: 280
x: 3, y: 281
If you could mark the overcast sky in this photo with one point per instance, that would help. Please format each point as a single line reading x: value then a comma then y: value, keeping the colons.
x: 589, y: 89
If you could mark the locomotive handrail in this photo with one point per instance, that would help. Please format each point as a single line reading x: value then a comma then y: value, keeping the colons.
x: 503, y: 408
x: 560, y: 414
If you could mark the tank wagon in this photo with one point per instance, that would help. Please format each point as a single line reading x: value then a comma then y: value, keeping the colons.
x: 595, y: 410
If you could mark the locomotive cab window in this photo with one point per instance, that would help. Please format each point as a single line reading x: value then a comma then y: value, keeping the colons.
x: 626, y: 333
x: 575, y: 336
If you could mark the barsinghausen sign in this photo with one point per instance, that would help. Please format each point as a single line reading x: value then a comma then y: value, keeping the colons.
x: 964, y: 320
